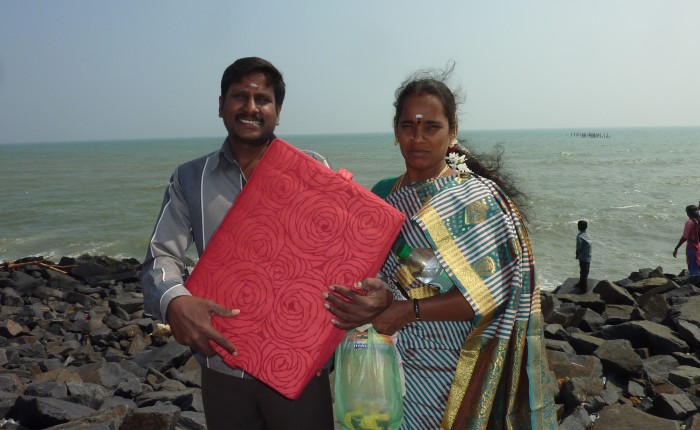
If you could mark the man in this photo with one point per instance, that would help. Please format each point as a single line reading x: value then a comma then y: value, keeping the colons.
x: 583, y: 255
x: 198, y: 196
x: 690, y: 236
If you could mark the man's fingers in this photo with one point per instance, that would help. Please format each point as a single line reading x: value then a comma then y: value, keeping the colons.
x: 217, y: 309
x: 223, y: 342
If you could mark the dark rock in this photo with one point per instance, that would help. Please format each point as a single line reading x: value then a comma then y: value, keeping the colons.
x: 580, y: 390
x: 686, y: 308
x: 126, y: 304
x: 108, y: 375
x: 636, y: 389
x: 568, y: 365
x: 563, y: 314
x: 84, y: 269
x: 555, y: 331
x: 612, y: 294
x: 616, y: 314
x: 689, y: 332
x: 9, y: 328
x: 182, y: 399
x: 559, y: 345
x: 642, y: 286
x: 655, y: 308
x: 87, y: 394
x: 621, y: 417
x: 10, y: 297
x: 104, y: 419
x: 682, y: 291
x: 684, y: 376
x: 25, y: 284
x: 659, y: 366
x: 619, y: 356
x: 7, y: 401
x: 584, y: 344
x: 686, y: 359
x: 190, y: 420
x: 47, y: 389
x: 158, y: 417
x: 660, y: 338
x: 589, y: 301
x: 588, y: 320
x: 42, y: 412
x: 576, y: 420
x: 171, y: 355
x: 674, y: 406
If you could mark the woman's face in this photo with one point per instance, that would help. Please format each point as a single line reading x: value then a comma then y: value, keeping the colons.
x: 422, y: 131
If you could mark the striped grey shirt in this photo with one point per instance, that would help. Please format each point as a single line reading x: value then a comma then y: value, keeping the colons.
x: 199, y: 195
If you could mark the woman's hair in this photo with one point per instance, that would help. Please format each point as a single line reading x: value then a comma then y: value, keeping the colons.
x: 490, y: 166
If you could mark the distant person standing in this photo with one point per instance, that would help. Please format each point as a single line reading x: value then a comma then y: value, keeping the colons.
x: 690, y: 235
x: 583, y: 255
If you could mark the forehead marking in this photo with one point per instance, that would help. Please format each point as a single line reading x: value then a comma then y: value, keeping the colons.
x: 419, y: 117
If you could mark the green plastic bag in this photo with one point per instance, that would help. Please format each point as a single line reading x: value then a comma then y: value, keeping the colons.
x: 367, y: 384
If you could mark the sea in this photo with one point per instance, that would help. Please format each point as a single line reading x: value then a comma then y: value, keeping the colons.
x: 631, y: 184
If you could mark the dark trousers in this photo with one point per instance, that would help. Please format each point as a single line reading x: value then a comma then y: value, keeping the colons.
x: 584, y: 267
x: 232, y: 403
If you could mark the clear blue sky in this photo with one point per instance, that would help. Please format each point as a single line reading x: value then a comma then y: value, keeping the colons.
x: 94, y: 70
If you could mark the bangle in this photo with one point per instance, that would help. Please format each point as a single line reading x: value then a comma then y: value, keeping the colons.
x: 416, y: 309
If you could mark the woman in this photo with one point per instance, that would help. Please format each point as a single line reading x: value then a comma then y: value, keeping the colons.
x: 473, y: 356
x: 690, y: 235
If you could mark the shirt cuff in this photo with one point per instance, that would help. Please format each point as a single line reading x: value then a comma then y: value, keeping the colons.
x: 173, y: 292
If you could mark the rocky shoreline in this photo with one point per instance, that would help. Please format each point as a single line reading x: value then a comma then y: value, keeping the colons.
x: 77, y: 352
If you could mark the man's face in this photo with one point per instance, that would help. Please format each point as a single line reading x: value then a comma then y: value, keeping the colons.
x: 249, y: 110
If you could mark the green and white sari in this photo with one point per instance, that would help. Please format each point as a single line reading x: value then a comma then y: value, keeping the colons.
x: 489, y: 372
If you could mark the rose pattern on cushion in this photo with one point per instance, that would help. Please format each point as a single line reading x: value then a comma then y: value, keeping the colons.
x: 296, y: 228
x: 256, y: 237
x: 294, y: 310
x: 317, y: 222
x: 248, y: 351
x: 281, y: 364
x: 287, y: 267
x: 250, y: 293
x: 281, y: 188
x: 345, y: 270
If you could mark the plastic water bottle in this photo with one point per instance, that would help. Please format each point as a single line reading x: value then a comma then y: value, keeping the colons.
x: 423, y: 264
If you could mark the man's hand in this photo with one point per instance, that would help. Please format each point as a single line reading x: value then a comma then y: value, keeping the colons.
x: 354, y: 309
x: 190, y: 322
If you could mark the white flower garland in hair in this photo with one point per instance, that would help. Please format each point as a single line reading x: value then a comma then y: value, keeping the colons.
x: 456, y: 160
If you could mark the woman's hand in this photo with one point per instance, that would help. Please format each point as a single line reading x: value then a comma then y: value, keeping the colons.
x: 353, y: 308
x: 395, y: 318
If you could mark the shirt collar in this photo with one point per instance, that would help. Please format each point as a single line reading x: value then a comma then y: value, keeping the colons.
x: 226, y: 154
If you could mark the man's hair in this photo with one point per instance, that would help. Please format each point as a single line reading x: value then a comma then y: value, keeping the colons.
x: 582, y: 225
x: 243, y: 66
x: 692, y: 211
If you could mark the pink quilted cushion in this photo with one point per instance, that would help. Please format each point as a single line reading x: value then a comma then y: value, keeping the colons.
x: 296, y: 228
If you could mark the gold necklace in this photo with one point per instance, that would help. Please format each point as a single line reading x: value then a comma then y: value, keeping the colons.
x: 400, y: 181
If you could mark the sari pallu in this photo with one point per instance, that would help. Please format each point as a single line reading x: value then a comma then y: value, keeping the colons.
x: 501, y: 378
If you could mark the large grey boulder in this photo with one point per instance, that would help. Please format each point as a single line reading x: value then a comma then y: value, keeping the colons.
x: 621, y: 417
x: 618, y: 355
x: 612, y: 294
x: 660, y: 338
